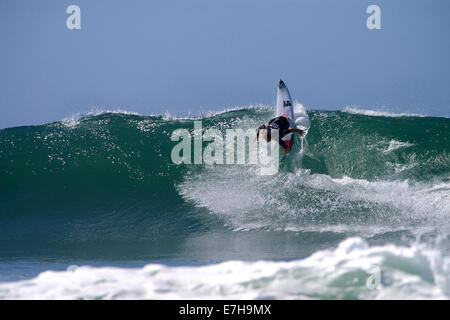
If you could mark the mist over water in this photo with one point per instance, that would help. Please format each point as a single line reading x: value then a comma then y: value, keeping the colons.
x: 368, y: 190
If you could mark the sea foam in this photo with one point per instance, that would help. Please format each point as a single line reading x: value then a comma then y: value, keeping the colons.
x: 353, y: 270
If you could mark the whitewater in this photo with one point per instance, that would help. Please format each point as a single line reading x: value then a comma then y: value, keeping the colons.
x: 93, y: 208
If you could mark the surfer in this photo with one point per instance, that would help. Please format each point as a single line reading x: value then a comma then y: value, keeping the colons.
x: 281, y: 123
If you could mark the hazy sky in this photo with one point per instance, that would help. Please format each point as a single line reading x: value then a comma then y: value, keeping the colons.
x: 200, y: 55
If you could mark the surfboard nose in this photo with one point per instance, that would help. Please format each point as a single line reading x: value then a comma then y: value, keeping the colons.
x: 281, y: 84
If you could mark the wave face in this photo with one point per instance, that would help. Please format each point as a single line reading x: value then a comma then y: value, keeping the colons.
x: 352, y: 271
x: 103, y: 186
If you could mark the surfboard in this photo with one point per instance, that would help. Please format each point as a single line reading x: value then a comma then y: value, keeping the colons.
x: 285, y: 105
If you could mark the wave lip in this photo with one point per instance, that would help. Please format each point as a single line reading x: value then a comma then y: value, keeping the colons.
x: 75, y: 119
x: 375, y: 113
x: 343, y: 273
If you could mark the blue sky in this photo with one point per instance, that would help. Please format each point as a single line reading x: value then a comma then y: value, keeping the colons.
x: 193, y: 56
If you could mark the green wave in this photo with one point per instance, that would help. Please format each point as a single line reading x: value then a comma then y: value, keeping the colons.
x: 109, y: 178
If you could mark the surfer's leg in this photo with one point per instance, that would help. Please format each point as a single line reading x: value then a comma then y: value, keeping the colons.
x: 283, y: 146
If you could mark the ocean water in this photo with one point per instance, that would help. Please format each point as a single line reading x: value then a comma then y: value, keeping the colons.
x: 92, y: 207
